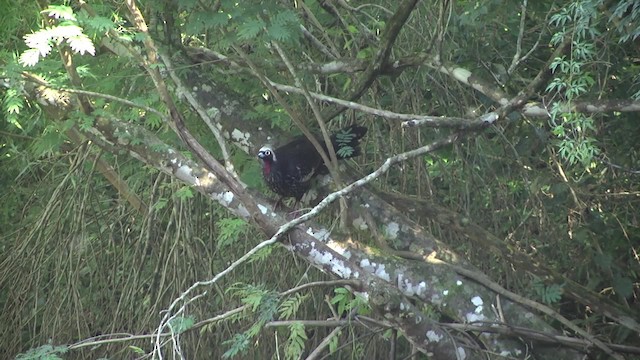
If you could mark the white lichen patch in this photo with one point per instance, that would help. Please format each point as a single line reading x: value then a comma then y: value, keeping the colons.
x: 185, y: 173
x: 377, y: 269
x: 322, y: 234
x: 473, y: 317
x: 263, y: 209
x: 365, y: 205
x: 461, y: 74
x: 422, y: 287
x: 381, y: 273
x: 227, y: 197
x: 528, y: 315
x: 433, y: 336
x: 360, y: 224
x: 242, y: 138
x: 214, y: 114
x: 459, y: 283
x: 410, y: 288
x: 320, y: 257
x: 478, y: 303
x: 392, y: 230
x: 339, y: 268
x: 445, y: 292
x: 366, y: 265
x: 461, y: 353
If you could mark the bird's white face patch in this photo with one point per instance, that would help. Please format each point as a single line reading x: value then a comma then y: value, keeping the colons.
x: 268, y: 152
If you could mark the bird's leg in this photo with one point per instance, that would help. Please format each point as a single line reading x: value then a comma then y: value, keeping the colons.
x: 278, y: 203
x: 296, y: 211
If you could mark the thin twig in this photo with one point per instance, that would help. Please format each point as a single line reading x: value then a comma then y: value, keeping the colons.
x: 325, y: 342
x: 43, y: 83
x: 330, y: 153
x: 516, y: 57
x: 433, y: 121
x: 315, y: 323
x: 203, y: 115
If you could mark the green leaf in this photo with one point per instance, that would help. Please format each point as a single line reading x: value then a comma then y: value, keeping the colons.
x: 549, y: 294
x: 290, y: 306
x: 623, y: 286
x: 345, y: 151
x: 60, y: 12
x: 180, y: 324
x: 250, y: 29
x: 201, y: 21
x: 49, y: 143
x: 99, y: 23
x: 239, y: 343
x: 44, y: 352
x: 284, y: 26
x: 342, y: 298
x: 229, y: 231
x: 137, y: 350
x: 333, y: 343
x: 296, y: 341
x: 253, y: 299
x: 184, y: 193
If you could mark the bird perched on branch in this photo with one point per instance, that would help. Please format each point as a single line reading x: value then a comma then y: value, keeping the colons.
x: 288, y: 169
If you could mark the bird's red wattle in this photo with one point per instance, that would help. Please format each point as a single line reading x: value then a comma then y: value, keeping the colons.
x: 266, y: 169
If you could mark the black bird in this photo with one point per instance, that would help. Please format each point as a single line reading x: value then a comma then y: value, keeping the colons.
x: 288, y: 169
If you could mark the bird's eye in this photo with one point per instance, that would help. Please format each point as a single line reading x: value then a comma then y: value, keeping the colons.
x: 267, y: 152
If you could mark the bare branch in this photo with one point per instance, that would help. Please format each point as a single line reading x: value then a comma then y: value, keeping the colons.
x: 324, y: 343
x: 203, y: 115
x: 516, y: 56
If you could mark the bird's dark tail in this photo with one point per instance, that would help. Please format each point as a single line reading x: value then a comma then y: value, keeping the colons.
x: 346, y: 142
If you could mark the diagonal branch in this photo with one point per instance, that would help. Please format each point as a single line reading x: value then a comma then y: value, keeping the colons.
x: 203, y: 115
x: 391, y: 32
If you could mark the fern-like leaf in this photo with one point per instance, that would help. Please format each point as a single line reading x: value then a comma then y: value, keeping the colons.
x: 295, y: 342
x: 60, y: 12
x: 291, y: 305
x: 250, y: 29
